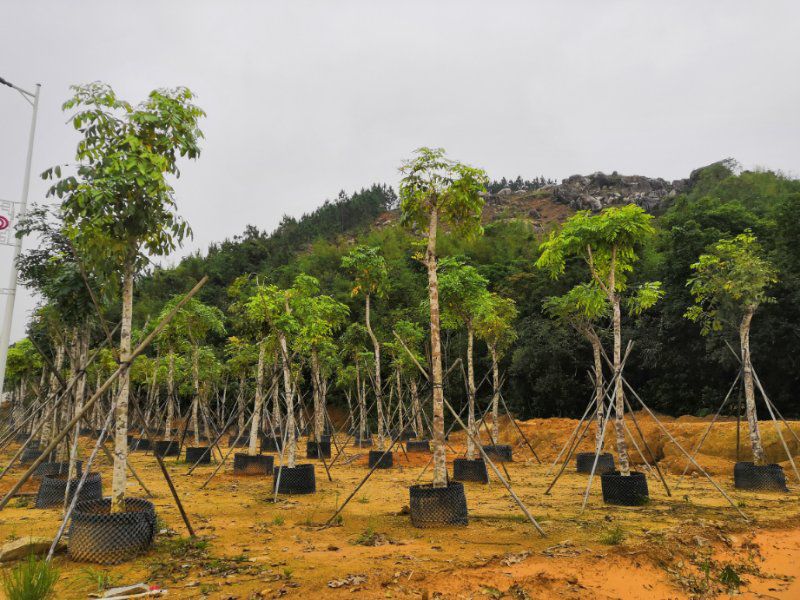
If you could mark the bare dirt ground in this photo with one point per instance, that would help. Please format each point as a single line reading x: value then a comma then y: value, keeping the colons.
x: 691, y: 544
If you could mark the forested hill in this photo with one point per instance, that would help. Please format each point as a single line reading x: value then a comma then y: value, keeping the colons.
x: 674, y: 368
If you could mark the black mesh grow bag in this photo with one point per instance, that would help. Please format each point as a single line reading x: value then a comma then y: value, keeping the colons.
x: 201, y: 453
x: 270, y: 443
x: 585, y: 460
x: 465, y: 469
x: 313, y: 448
x: 499, y: 452
x: 52, y: 489
x: 418, y: 446
x: 749, y: 476
x: 29, y: 455
x: 383, y: 461
x: 56, y: 468
x: 142, y: 445
x: 365, y: 442
x: 259, y: 464
x: 295, y: 480
x: 167, y: 448
x: 21, y: 437
x: 434, y: 507
x: 98, y: 536
x: 624, y: 491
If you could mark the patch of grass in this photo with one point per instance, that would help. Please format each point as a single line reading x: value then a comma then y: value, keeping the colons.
x: 278, y: 520
x: 730, y: 578
x: 31, y: 579
x: 208, y: 588
x: 365, y: 537
x: 287, y: 572
x: 363, y: 500
x: 613, y: 537
x: 100, y: 578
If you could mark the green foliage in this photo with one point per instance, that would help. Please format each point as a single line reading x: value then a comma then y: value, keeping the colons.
x: 613, y: 536
x: 494, y: 322
x: 30, y: 579
x: 730, y: 281
x: 462, y: 290
x: 433, y: 183
x: 23, y: 361
x: 368, y: 268
x: 118, y: 202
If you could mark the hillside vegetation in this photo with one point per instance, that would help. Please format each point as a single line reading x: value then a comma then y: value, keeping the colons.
x: 676, y: 370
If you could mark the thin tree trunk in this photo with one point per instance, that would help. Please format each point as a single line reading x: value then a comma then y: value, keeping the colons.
x: 749, y: 393
x: 277, y: 427
x: 419, y: 429
x: 598, y: 387
x: 619, y: 398
x: 473, y: 430
x: 80, y: 388
x: 196, y: 386
x: 240, y: 404
x: 288, y: 388
x: 316, y: 385
x: 252, y: 448
x: 170, y: 396
x: 362, y: 408
x: 378, y: 387
x: 400, y: 416
x: 439, y: 454
x: 495, y: 395
x: 121, y: 412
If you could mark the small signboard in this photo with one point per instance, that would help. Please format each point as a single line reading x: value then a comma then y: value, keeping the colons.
x: 8, y: 212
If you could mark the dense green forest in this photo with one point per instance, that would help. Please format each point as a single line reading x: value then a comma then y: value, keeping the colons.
x: 676, y: 370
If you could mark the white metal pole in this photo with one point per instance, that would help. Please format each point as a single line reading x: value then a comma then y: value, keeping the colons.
x: 11, y: 292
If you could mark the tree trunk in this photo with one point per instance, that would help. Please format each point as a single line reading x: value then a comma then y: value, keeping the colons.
x: 121, y: 436
x: 316, y: 385
x: 749, y: 394
x: 80, y: 388
x: 400, y: 417
x: 495, y: 394
x: 439, y: 454
x: 362, y: 405
x: 196, y: 386
x: 473, y: 430
x: 378, y: 386
x: 598, y: 387
x: 619, y: 398
x: 240, y: 404
x: 288, y: 389
x: 170, y: 396
x: 419, y: 428
x: 252, y: 448
x: 277, y: 426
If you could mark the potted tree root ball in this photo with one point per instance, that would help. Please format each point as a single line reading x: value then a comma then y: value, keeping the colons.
x: 100, y: 536
x: 608, y: 243
x: 53, y: 487
x: 418, y: 446
x: 166, y: 448
x: 437, y: 191
x: 380, y: 459
x: 470, y: 469
x: 119, y: 217
x: 320, y: 448
x: 198, y: 454
x: 585, y: 460
x: 728, y: 286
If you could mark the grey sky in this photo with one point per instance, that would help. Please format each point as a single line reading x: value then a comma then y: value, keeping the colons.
x: 307, y: 98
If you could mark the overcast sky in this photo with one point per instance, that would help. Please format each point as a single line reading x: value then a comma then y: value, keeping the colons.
x: 307, y: 98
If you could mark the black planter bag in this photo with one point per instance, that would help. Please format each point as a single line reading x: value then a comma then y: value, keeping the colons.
x: 376, y: 457
x: 585, y: 460
x: 296, y: 480
x: 56, y: 468
x: 499, y: 452
x: 470, y: 470
x: 142, y: 445
x: 768, y: 478
x: 243, y: 442
x: 51, y: 490
x: 624, y: 491
x: 435, y: 507
x: 270, y: 443
x: 260, y: 464
x: 98, y: 536
x: 418, y: 446
x: 29, y: 455
x: 201, y: 453
x: 167, y: 448
x: 313, y: 448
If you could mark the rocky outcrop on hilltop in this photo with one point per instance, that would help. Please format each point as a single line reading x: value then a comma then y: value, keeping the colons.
x: 599, y: 190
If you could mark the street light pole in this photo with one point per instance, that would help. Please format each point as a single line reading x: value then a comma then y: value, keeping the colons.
x: 11, y: 292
